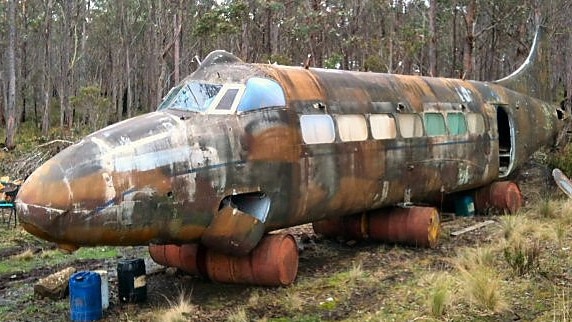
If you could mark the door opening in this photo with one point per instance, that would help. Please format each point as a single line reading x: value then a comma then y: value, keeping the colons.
x: 506, y: 142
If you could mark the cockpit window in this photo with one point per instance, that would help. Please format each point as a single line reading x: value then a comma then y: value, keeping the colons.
x: 191, y: 96
x: 227, y: 99
x: 261, y: 93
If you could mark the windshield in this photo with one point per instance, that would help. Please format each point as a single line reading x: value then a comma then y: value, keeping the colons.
x: 190, y: 96
x: 261, y: 93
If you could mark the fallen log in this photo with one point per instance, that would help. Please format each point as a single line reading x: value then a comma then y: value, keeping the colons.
x: 54, y: 286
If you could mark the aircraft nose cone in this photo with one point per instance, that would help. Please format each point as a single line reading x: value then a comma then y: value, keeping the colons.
x: 42, y: 199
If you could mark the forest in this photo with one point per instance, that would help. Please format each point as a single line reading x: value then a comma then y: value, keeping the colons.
x: 73, y: 66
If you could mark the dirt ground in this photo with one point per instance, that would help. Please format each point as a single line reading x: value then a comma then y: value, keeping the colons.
x: 392, y: 267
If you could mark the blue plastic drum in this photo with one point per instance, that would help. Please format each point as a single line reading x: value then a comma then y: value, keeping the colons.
x: 465, y: 206
x: 85, y: 296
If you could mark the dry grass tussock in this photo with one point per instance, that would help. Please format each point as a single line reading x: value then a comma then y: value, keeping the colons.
x: 26, y: 255
x: 178, y: 311
x: 472, y: 258
x: 479, y: 280
x: 562, y: 306
x: 440, y: 287
x: 482, y: 286
x: 238, y: 316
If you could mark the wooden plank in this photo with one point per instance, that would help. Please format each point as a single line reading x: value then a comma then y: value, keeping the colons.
x: 471, y: 228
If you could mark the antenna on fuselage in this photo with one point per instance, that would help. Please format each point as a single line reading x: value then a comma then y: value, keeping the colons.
x: 308, y: 61
x: 197, y: 59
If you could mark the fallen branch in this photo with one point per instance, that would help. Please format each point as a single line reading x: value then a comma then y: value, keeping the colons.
x: 471, y: 228
x: 55, y: 141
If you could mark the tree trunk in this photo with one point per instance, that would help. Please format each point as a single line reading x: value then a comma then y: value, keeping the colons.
x: 569, y: 75
x: 469, y: 45
x: 46, y: 83
x: 11, y: 106
x: 432, y: 38
x: 176, y: 47
x: 454, y: 48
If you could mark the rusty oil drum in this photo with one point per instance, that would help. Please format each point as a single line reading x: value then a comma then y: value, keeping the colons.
x: 274, y: 262
x: 183, y: 257
x: 503, y: 195
x: 349, y: 227
x: 416, y: 226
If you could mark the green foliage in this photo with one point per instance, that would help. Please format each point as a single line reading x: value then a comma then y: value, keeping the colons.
x: 225, y: 19
x: 373, y: 63
x: 277, y: 59
x: 91, y: 108
x: 334, y: 61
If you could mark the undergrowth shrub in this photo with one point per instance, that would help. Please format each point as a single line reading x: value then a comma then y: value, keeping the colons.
x: 482, y: 286
x: 522, y: 255
x: 439, y: 297
x: 562, y: 160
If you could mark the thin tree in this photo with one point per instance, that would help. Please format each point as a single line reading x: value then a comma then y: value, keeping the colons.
x: 46, y: 81
x: 469, y: 46
x: 432, y: 38
x: 11, y: 106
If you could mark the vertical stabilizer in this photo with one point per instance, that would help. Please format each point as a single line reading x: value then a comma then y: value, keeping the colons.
x: 533, y: 76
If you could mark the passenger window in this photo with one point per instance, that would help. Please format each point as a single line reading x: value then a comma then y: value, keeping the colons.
x: 410, y: 125
x: 317, y: 129
x: 225, y: 103
x: 475, y: 123
x: 382, y: 126
x: 261, y: 93
x: 457, y: 124
x: 352, y: 127
x: 434, y: 124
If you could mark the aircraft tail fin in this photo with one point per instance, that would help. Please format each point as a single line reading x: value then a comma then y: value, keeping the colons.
x: 533, y: 76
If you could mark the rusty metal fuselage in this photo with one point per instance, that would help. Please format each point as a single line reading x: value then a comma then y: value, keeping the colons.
x: 263, y: 147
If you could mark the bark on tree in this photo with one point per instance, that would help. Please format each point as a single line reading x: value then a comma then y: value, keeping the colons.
x: 469, y: 45
x: 569, y: 74
x: 11, y: 106
x: 432, y: 38
x: 177, y: 47
x: 46, y: 75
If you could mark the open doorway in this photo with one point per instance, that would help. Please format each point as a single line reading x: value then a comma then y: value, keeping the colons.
x: 506, y: 142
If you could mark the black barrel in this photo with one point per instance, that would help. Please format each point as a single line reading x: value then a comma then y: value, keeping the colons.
x: 131, y: 280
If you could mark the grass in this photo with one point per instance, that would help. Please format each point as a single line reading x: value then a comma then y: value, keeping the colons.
x: 440, y: 294
x: 239, y: 315
x: 29, y: 259
x: 562, y: 308
x: 483, y: 287
x: 27, y: 255
x: 179, y: 311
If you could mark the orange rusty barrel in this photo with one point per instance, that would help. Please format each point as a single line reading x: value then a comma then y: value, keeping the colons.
x: 274, y: 262
x: 503, y: 195
x: 183, y: 257
x: 350, y: 227
x: 417, y: 226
